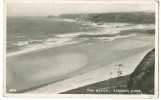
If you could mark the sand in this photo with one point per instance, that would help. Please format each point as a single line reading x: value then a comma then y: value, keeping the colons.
x: 98, y: 75
x: 133, y: 44
x: 74, y: 65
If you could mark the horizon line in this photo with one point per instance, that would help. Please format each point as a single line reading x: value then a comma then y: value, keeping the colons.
x: 150, y: 11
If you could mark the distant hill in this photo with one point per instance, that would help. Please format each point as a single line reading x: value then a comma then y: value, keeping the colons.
x: 136, y: 17
x: 51, y: 16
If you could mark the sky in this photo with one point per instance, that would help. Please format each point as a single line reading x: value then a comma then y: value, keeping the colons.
x: 45, y: 9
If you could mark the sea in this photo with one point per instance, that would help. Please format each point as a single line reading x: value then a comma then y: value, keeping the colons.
x: 27, y: 34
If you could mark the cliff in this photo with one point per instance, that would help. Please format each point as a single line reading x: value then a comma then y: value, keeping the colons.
x: 143, y: 76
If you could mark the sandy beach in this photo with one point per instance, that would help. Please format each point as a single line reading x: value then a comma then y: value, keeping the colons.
x: 91, y: 77
x: 75, y: 65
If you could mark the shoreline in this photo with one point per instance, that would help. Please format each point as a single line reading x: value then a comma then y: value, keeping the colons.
x: 38, y: 49
x: 58, y: 45
x: 78, y: 59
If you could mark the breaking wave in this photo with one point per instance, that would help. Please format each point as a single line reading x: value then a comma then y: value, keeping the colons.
x: 105, y: 32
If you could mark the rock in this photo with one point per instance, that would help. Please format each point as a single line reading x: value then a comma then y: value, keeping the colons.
x: 143, y: 76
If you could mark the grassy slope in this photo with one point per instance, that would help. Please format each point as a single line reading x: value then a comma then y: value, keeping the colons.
x: 143, y: 76
x: 124, y: 84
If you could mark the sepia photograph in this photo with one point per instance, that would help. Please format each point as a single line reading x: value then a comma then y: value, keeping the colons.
x: 81, y: 48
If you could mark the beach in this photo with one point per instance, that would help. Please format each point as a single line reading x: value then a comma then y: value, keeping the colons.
x: 80, y: 49
x: 74, y: 65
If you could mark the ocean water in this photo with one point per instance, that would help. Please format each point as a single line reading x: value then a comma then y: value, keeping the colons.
x: 25, y: 34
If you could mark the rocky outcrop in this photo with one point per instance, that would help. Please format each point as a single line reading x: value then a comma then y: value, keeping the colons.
x: 143, y: 76
x: 51, y: 16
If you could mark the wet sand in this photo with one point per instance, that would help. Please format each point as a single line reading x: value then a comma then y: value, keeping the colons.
x: 69, y: 61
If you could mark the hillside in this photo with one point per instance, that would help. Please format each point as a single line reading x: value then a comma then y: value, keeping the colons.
x: 143, y: 76
x: 136, y: 17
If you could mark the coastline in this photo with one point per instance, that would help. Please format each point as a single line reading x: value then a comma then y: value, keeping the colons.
x: 83, y: 55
